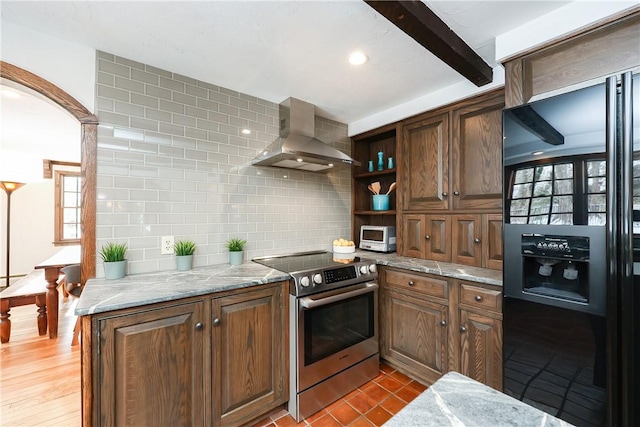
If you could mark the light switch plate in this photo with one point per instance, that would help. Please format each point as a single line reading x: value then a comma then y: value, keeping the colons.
x: 166, y: 245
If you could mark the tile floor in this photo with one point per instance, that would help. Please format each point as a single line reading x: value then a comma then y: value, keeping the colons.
x: 371, y: 404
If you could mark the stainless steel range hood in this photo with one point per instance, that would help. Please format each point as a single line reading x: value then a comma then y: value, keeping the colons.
x: 297, y: 147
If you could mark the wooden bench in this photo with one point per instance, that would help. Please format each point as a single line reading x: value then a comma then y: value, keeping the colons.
x: 31, y: 289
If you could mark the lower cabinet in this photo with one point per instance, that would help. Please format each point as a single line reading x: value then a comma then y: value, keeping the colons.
x: 431, y: 325
x: 216, y: 361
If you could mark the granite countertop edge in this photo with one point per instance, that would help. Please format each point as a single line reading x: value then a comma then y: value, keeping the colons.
x: 102, y: 295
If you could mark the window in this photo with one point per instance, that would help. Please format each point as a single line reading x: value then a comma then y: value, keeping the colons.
x: 68, y: 207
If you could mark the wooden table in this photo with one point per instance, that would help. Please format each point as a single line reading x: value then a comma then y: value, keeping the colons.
x: 66, y: 256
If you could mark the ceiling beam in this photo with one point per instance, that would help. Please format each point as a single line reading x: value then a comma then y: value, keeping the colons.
x: 537, y: 125
x: 424, y: 26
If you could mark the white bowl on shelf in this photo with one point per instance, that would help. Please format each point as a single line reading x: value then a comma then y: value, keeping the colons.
x: 344, y: 249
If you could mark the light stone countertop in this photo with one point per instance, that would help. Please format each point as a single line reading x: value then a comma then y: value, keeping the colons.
x: 101, y: 295
x: 456, y: 400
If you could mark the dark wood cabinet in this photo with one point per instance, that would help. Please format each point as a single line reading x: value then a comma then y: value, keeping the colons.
x: 152, y: 368
x: 430, y: 325
x: 217, y: 360
x: 248, y: 350
x: 365, y: 148
x: 427, y: 236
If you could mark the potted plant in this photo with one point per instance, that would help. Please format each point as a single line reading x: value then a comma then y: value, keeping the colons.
x: 184, y: 250
x: 115, y: 264
x: 236, y: 250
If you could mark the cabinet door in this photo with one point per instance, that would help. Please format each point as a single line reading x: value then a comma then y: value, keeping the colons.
x: 481, y: 348
x: 152, y: 368
x: 413, y: 241
x: 425, y: 171
x: 438, y: 237
x: 249, y: 355
x: 477, y: 155
x: 414, y: 334
x: 467, y: 240
x: 492, y: 241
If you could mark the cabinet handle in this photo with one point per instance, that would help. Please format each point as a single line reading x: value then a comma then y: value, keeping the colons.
x: 476, y: 241
x: 443, y: 323
x: 445, y: 194
x: 216, y: 321
x: 478, y: 298
x: 427, y: 237
x: 463, y: 329
x: 411, y: 283
x: 456, y: 193
x: 199, y: 326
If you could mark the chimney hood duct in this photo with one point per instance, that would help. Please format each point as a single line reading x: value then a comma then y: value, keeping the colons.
x: 297, y: 148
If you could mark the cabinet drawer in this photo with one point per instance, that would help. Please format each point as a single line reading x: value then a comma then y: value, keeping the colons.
x: 423, y: 284
x: 487, y: 299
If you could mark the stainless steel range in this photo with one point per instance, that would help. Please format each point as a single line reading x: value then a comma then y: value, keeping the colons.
x: 333, y: 326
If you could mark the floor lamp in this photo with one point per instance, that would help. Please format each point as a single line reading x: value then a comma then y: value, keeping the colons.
x: 9, y: 187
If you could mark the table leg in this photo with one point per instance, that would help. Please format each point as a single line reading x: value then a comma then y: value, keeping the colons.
x: 41, y: 302
x: 5, y: 323
x: 51, y: 275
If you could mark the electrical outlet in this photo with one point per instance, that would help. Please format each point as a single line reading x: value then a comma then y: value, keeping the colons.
x: 166, y: 245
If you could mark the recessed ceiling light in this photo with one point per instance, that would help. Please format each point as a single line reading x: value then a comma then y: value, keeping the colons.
x: 358, y: 58
x: 537, y: 153
x: 298, y: 160
x: 246, y: 131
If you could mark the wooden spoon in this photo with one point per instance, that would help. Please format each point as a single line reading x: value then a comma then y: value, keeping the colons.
x: 370, y: 187
x: 376, y: 187
x: 391, y: 187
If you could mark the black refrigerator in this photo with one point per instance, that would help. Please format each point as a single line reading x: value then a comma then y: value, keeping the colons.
x: 571, y: 276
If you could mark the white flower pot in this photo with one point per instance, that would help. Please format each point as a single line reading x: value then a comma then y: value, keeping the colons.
x: 235, y: 258
x: 115, y: 270
x: 184, y: 262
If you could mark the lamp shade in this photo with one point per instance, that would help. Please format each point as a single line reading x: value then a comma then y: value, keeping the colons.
x: 10, y: 186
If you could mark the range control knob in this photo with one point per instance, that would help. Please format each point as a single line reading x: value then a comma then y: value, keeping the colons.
x: 304, y: 281
x: 364, y: 269
x: 317, y: 278
x: 373, y: 268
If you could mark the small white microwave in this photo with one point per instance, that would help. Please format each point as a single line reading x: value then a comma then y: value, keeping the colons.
x: 378, y: 238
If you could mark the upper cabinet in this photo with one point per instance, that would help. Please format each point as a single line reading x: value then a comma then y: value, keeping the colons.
x: 451, y: 158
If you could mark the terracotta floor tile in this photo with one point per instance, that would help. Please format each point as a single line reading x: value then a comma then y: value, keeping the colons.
x: 417, y: 386
x: 386, y: 368
x: 361, y: 422
x: 326, y: 421
x: 263, y: 422
x: 363, y: 403
x: 400, y: 377
x: 377, y: 393
x: 279, y: 414
x: 313, y: 417
x: 288, y: 421
x: 378, y: 415
x: 345, y: 414
x: 352, y: 394
x: 390, y: 384
x: 407, y: 394
x: 393, y: 405
x: 335, y: 404
x: 380, y: 376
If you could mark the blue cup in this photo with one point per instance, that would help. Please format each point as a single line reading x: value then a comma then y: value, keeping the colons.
x: 380, y: 202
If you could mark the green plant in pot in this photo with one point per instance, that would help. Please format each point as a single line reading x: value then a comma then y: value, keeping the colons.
x: 115, y: 264
x: 236, y: 250
x: 184, y: 250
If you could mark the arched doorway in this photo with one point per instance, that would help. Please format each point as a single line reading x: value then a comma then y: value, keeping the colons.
x: 88, y: 148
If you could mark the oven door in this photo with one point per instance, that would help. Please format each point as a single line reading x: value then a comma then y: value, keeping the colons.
x: 336, y: 330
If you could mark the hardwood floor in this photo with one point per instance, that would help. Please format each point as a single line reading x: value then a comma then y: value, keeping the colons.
x: 40, y: 377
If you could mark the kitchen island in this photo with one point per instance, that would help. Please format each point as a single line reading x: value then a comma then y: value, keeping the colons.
x: 455, y: 400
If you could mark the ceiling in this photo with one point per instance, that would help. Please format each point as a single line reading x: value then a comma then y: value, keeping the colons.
x: 273, y: 49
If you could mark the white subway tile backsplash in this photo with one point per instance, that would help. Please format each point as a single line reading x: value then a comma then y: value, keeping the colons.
x: 172, y: 161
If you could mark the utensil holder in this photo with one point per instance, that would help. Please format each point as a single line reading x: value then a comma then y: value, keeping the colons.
x: 380, y: 202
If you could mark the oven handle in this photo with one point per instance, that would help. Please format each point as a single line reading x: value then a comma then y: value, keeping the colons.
x: 308, y: 302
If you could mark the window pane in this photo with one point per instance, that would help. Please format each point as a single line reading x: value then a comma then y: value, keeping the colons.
x: 596, y: 168
x: 519, y: 207
x: 542, y: 188
x: 562, y: 219
x: 636, y: 168
x: 564, y: 186
x: 71, y: 200
x: 597, y: 203
x: 70, y: 216
x: 562, y: 204
x: 518, y: 220
x: 597, y: 185
x: 597, y: 219
x: 524, y: 175
x: 71, y: 231
x: 71, y: 183
x: 636, y: 186
x: 521, y: 190
x: 544, y: 172
x: 541, y: 219
x: 564, y: 171
x: 540, y: 205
